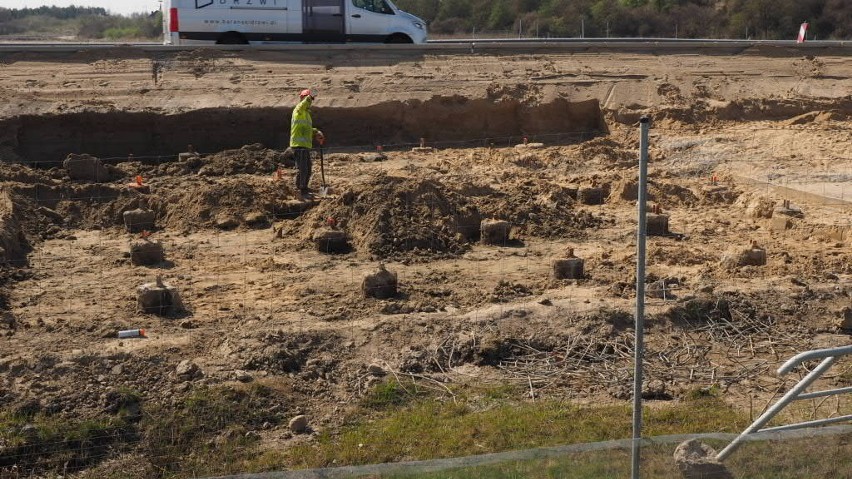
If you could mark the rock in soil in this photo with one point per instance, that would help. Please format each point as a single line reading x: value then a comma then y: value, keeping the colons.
x: 299, y: 424
x: 86, y: 168
x: 697, y: 460
x: 187, y: 370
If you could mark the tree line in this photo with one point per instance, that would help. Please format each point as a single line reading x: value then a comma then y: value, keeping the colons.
x: 755, y: 19
x: 90, y: 23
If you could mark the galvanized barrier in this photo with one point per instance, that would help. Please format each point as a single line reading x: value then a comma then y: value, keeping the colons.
x: 829, y: 357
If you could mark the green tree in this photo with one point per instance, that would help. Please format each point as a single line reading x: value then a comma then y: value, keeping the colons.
x: 501, y: 17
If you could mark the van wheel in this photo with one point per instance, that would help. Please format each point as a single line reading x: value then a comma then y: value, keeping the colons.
x: 232, y: 38
x: 399, y: 38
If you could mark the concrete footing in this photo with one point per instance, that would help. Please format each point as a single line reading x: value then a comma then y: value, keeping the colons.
x: 146, y: 253
x: 570, y: 268
x: 657, y: 225
x: 495, y: 232
x: 331, y: 241
x: 139, y: 220
x: 591, y: 196
x: 754, y: 256
x: 158, y: 298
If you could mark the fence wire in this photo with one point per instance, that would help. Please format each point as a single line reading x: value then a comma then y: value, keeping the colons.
x: 83, y: 285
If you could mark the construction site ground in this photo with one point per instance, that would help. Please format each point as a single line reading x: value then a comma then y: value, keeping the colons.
x: 749, y: 153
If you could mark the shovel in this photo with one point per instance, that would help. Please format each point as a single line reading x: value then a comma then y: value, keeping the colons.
x: 324, y: 188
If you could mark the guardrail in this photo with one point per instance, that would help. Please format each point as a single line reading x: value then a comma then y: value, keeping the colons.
x: 474, y: 45
x: 829, y: 357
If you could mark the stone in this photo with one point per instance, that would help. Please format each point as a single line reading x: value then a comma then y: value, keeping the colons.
x: 571, y: 268
x: 760, y: 208
x: 330, y: 241
x: 697, y: 460
x: 494, y: 232
x: 590, y: 196
x: 291, y: 209
x: 139, y: 220
x: 86, y: 168
x: 144, y: 252
x: 376, y: 370
x: 422, y: 149
x: 530, y: 146
x: 226, y: 222
x: 158, y: 298
x: 187, y: 370
x: 299, y: 424
x: 656, y: 389
x: 255, y: 218
x: 753, y: 256
x: 657, y: 225
x: 380, y: 285
x: 53, y: 215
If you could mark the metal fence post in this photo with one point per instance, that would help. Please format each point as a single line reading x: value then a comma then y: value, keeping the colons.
x: 645, y: 125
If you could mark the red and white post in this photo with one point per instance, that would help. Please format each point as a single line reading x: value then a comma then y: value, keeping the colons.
x: 803, y: 30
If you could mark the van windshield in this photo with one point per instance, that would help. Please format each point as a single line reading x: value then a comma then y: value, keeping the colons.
x: 377, y: 6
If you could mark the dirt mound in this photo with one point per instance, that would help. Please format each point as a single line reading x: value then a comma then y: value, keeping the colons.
x: 540, y: 209
x: 202, y: 204
x: 666, y: 194
x: 249, y: 159
x: 606, y: 151
x: 392, y: 216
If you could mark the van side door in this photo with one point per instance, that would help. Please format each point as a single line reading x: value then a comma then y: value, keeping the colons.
x: 323, y: 21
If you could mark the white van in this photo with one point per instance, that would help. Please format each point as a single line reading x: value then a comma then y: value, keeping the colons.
x: 188, y: 22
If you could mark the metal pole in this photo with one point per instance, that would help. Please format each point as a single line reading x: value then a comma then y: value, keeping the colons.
x: 645, y: 126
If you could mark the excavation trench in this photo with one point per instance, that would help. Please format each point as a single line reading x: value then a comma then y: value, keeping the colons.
x: 48, y: 139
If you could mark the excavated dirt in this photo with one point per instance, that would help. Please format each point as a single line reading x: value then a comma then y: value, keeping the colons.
x: 732, y: 139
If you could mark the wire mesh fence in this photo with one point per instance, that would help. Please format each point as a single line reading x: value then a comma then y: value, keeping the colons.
x: 267, y: 309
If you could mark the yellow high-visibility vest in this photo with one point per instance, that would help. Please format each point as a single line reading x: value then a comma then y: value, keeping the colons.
x: 302, y: 129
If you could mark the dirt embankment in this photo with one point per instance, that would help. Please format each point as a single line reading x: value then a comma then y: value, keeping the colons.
x: 273, y: 323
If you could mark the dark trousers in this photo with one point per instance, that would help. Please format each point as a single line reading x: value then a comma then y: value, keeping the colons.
x: 304, y: 164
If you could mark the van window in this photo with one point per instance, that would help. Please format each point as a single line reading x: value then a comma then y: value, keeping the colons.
x: 378, y: 6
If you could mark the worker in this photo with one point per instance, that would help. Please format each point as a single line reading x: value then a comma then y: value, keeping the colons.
x: 302, y: 134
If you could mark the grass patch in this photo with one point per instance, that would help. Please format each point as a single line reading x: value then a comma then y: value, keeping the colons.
x: 37, y: 444
x: 206, y: 434
x: 432, y: 428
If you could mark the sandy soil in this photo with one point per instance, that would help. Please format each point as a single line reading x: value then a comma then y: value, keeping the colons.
x: 262, y: 304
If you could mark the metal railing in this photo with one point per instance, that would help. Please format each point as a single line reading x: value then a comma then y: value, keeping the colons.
x: 829, y: 357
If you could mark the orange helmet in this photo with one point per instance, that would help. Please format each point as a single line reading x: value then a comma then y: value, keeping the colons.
x: 306, y: 92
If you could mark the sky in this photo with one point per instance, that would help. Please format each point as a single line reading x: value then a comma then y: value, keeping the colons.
x: 123, y: 7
